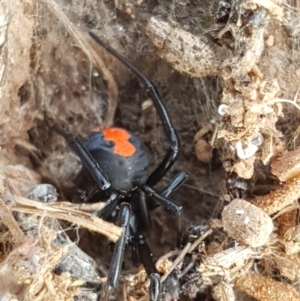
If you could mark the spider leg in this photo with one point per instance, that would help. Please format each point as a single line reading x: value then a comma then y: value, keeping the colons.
x: 152, y: 194
x: 170, y: 189
x: 174, y: 184
x: 86, y: 158
x: 143, y: 252
x: 158, y: 102
x: 110, y: 205
x: 144, y: 211
x: 154, y: 287
x: 117, y: 258
x: 140, y: 222
x: 145, y: 255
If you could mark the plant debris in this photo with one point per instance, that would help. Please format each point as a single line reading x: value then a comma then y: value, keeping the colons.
x: 52, y: 72
x: 247, y: 223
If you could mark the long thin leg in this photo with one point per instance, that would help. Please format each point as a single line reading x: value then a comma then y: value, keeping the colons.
x: 174, y: 184
x: 110, y: 205
x: 170, y: 189
x: 172, y: 135
x: 117, y: 258
x: 144, y: 254
x: 154, y: 287
x: 143, y: 211
x: 140, y: 223
x: 145, y: 207
x: 168, y: 204
x: 86, y: 158
x: 141, y: 250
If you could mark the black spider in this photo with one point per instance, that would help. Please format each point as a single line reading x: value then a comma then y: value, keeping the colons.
x: 119, y: 163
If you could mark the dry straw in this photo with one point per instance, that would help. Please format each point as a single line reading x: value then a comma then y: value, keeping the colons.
x: 66, y: 211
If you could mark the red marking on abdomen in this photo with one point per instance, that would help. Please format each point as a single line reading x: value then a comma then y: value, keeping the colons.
x: 120, y: 137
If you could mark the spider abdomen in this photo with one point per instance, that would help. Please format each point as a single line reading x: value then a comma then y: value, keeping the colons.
x: 122, y: 156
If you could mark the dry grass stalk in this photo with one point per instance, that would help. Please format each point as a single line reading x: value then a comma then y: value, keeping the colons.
x: 92, y: 55
x: 266, y: 289
x: 84, y: 207
x: 164, y: 264
x: 200, y: 239
x: 226, y: 263
x: 280, y: 198
x: 70, y: 214
x: 8, y: 220
x: 177, y: 261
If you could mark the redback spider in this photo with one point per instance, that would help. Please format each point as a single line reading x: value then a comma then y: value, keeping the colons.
x: 119, y: 163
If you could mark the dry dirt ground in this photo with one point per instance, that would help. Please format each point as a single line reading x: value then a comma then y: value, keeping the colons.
x: 52, y: 74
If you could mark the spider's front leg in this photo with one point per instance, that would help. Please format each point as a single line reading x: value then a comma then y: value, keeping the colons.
x: 159, y: 104
x: 175, y: 183
x: 110, y: 205
x: 86, y: 158
x: 163, y: 201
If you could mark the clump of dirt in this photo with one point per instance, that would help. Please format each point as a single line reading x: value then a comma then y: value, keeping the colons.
x: 233, y: 101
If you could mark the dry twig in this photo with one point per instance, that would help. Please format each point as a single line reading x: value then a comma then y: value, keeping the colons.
x: 70, y: 214
x: 9, y: 221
